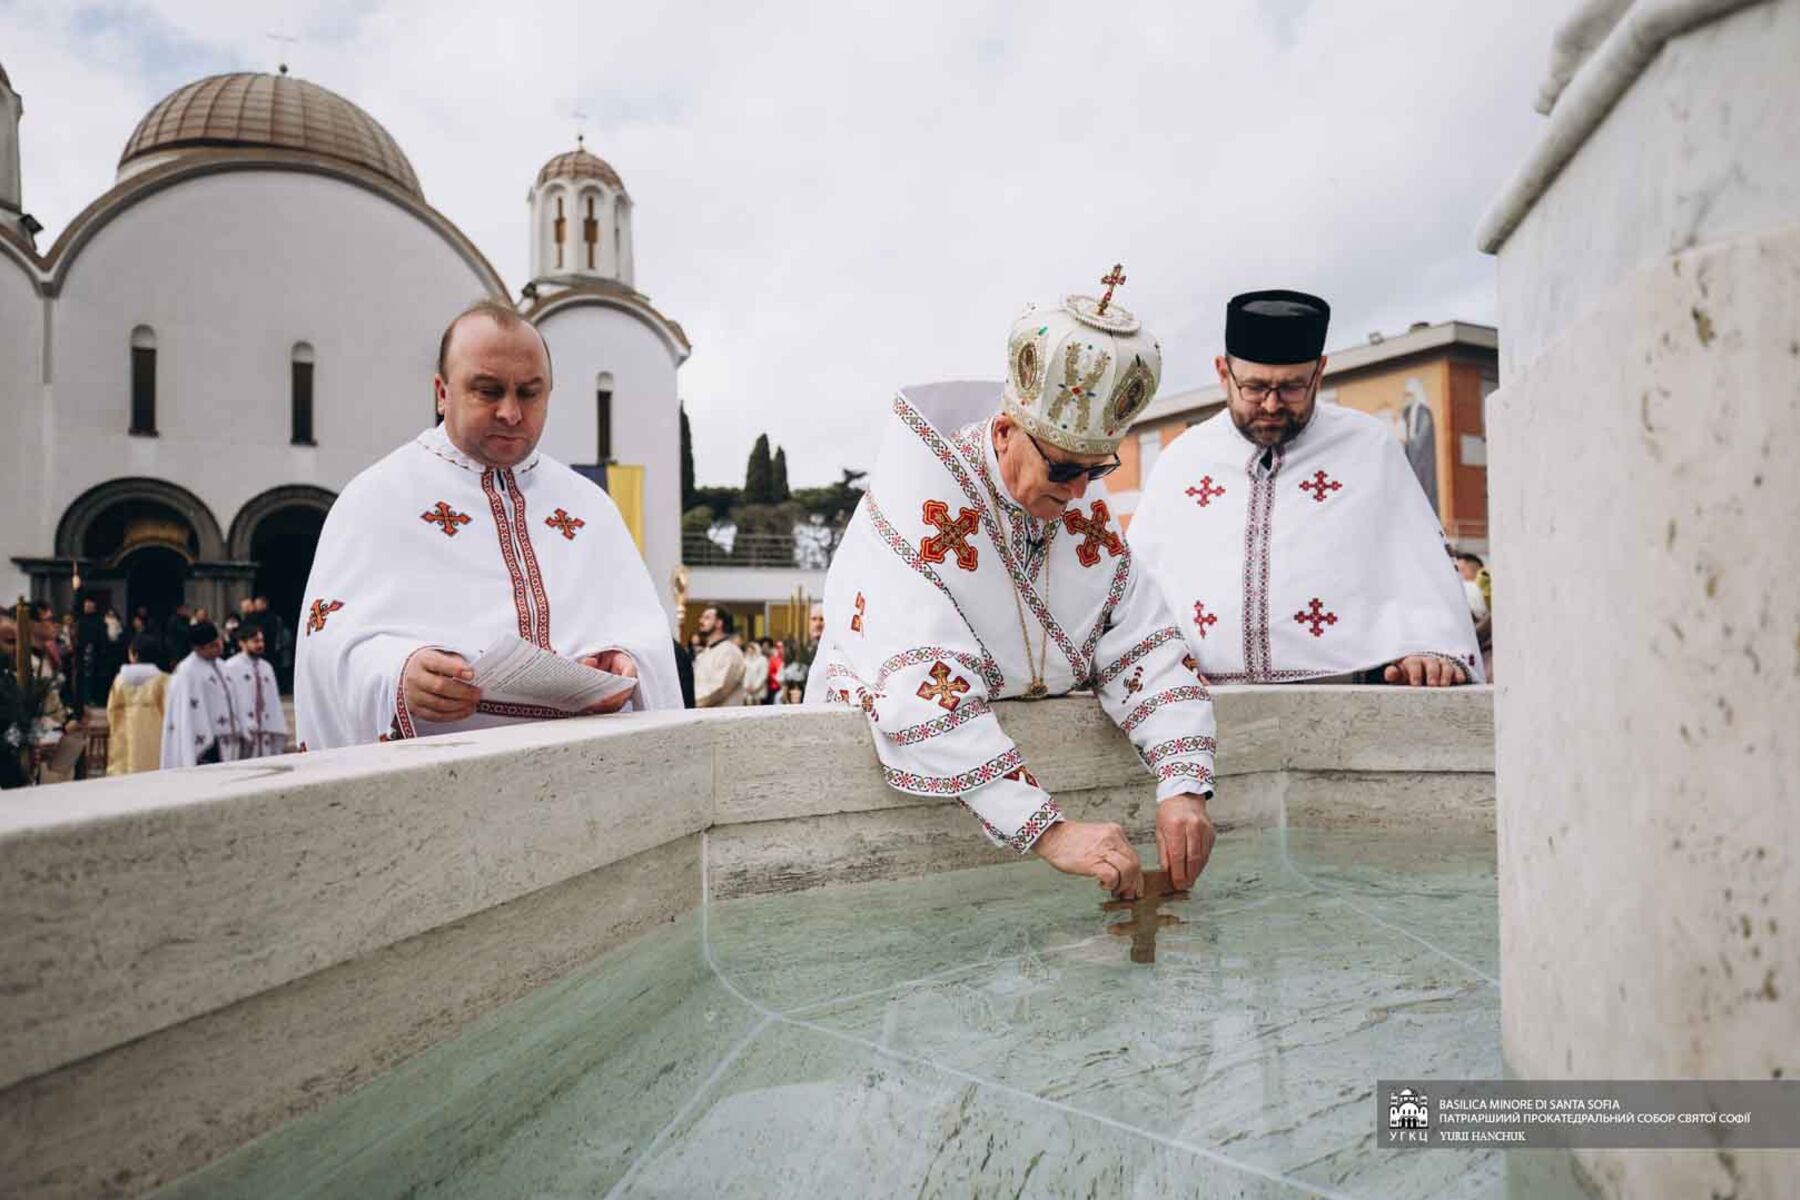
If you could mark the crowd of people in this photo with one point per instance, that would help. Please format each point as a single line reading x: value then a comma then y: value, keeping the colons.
x: 731, y: 669
x: 95, y: 695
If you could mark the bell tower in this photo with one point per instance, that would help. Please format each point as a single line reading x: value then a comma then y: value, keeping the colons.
x: 580, y: 223
x: 12, y: 213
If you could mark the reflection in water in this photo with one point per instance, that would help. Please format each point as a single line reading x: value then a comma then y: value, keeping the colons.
x: 1141, y: 927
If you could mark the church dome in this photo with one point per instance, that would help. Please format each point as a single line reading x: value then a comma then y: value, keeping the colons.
x: 277, y: 112
x: 579, y: 164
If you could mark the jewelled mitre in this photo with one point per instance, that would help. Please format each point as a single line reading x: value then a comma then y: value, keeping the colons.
x: 1079, y: 373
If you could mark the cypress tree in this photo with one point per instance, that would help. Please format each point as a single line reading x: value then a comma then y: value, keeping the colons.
x: 759, y: 475
x: 687, y: 462
x: 779, y: 471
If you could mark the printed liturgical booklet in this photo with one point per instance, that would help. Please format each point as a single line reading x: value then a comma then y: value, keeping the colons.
x: 514, y: 669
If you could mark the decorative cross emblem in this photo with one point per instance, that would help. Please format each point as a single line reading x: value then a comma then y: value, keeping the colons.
x: 946, y: 689
x: 1135, y: 684
x: 952, y: 537
x: 564, y: 523
x: 1097, y: 535
x: 1023, y: 776
x: 862, y: 606
x: 1144, y: 921
x: 445, y: 517
x: 1203, y: 495
x: 1111, y: 279
x: 315, y: 618
x: 1316, y: 616
x: 1202, y: 618
x: 1319, y: 484
x: 866, y: 702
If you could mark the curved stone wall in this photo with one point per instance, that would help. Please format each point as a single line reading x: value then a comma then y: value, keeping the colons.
x: 191, y: 958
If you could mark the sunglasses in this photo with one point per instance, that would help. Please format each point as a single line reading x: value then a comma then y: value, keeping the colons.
x: 1068, y: 472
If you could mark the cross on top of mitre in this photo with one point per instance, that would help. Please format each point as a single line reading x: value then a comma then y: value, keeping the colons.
x: 1111, y: 279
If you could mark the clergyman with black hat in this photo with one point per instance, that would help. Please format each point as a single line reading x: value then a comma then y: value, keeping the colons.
x: 1291, y: 537
x: 200, y: 718
x: 977, y: 568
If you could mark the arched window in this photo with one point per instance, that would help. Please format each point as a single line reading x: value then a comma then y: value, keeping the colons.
x: 590, y: 231
x: 603, y: 392
x: 561, y: 228
x: 143, y: 381
x: 300, y: 375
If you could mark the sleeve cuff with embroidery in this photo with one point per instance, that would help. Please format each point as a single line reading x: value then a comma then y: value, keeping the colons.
x: 1014, y: 811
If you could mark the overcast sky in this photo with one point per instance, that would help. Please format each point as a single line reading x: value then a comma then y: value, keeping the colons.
x: 841, y: 198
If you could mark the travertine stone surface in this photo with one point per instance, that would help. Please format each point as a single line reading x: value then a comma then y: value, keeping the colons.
x: 119, y: 1123
x: 147, y: 900
x: 1645, y: 505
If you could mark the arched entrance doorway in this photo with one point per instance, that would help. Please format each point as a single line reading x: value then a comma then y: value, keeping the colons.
x: 142, y: 544
x: 278, y: 530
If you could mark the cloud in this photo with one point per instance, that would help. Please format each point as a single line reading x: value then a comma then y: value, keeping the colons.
x: 839, y: 199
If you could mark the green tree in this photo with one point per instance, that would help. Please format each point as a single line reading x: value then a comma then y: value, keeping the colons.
x: 779, y: 470
x: 759, y: 475
x: 687, y: 462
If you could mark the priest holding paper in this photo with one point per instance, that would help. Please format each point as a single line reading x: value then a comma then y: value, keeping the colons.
x: 466, y: 543
x: 1291, y: 537
x: 976, y: 569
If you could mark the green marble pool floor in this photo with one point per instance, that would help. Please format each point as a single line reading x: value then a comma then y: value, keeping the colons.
x: 975, y: 1033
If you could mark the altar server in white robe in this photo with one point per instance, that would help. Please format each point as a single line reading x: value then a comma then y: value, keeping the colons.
x: 201, y: 722
x: 256, y: 694
x: 1291, y: 537
x: 462, y: 535
x: 976, y: 569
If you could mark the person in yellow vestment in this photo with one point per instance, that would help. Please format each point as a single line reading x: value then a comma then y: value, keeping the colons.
x: 134, y: 710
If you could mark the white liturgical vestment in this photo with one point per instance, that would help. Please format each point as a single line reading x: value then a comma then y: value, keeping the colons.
x: 946, y: 595
x: 257, y: 697
x: 430, y: 549
x: 1316, y: 558
x: 198, y: 713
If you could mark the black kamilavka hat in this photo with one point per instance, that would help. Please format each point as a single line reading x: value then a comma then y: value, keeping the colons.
x: 1276, y: 327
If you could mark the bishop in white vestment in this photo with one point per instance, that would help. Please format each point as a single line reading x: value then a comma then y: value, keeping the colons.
x: 256, y: 695
x: 1291, y: 538
x: 201, y: 722
x: 463, y: 535
x: 975, y: 569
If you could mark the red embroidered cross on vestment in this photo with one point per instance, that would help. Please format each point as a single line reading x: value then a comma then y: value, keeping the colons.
x: 1202, y: 618
x: 1318, y: 485
x: 315, y: 618
x: 944, y: 686
x: 445, y: 517
x: 1316, y: 616
x: 952, y: 537
x: 1203, y: 495
x: 563, y: 523
x: 1095, y: 534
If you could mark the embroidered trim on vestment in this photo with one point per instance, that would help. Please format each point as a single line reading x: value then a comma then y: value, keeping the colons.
x: 498, y: 507
x: 960, y: 471
x: 954, y: 785
x: 536, y: 577
x: 1182, y: 745
x: 1168, y: 633
x: 533, y: 712
x: 1114, y: 594
x: 1172, y: 696
x: 925, y: 730
x: 1258, y: 538
x: 990, y: 669
x: 1183, y: 770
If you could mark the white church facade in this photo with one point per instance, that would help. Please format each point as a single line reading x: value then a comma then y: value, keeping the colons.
x: 250, y: 316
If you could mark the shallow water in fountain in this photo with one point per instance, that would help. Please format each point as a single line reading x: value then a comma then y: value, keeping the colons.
x: 974, y: 1032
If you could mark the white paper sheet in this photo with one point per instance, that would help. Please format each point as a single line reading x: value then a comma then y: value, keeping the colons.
x: 518, y: 670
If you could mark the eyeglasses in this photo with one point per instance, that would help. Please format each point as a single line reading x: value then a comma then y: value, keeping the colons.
x: 1068, y: 472
x: 1287, y: 393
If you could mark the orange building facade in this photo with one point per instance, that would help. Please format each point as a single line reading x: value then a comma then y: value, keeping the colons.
x: 1428, y: 384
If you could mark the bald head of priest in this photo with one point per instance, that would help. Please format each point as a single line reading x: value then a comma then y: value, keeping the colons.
x: 1291, y: 536
x: 465, y: 536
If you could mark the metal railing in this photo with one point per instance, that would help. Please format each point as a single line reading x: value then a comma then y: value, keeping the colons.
x: 806, y: 549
